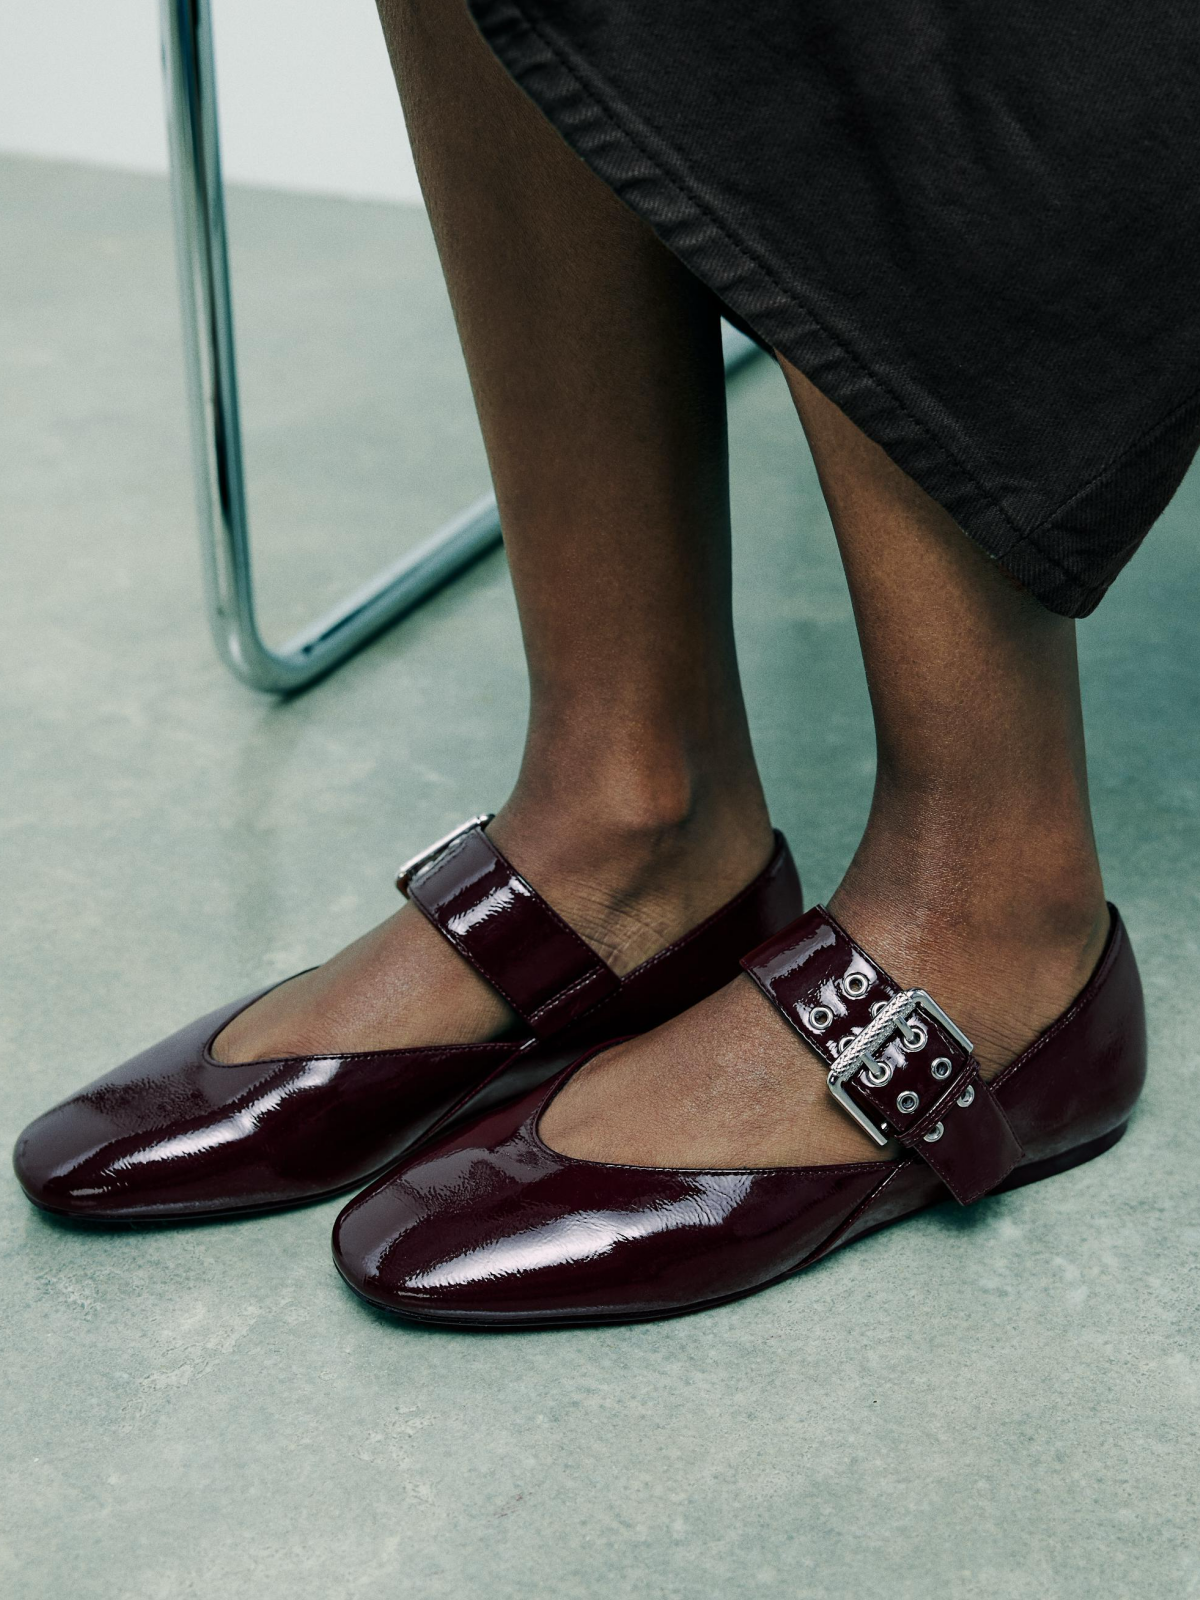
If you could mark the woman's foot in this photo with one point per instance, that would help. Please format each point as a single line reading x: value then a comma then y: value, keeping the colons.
x: 730, y: 1084
x: 489, y: 1227
x: 629, y: 885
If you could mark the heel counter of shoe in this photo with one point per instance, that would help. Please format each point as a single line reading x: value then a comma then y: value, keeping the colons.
x: 704, y: 960
x: 782, y: 899
x: 1083, y: 1076
x: 1128, y: 1002
x: 767, y: 905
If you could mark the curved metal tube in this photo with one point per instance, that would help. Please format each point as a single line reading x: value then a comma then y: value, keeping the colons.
x: 211, y: 368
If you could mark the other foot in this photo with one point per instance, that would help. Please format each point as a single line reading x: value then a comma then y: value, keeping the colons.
x: 629, y: 891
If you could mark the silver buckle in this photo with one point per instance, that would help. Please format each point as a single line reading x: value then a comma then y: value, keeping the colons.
x: 857, y: 1052
x: 410, y: 868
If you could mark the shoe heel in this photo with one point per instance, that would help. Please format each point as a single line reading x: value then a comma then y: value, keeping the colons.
x: 1063, y: 1162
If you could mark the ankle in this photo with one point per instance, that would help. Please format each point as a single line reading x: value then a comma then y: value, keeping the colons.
x: 648, y: 783
x: 634, y: 860
x: 1003, y: 946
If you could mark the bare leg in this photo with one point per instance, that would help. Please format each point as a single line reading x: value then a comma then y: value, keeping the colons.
x: 976, y: 879
x: 596, y: 365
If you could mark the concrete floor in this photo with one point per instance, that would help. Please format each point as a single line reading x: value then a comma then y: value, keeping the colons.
x: 999, y: 1402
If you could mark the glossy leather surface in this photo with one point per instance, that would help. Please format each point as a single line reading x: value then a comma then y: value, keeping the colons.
x: 477, y: 899
x: 175, y: 1135
x: 828, y: 989
x: 488, y: 1227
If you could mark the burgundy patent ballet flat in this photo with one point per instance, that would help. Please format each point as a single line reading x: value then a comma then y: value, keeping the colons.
x: 174, y: 1135
x: 490, y: 1228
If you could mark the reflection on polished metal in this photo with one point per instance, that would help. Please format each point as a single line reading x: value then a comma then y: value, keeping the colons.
x: 216, y: 431
x: 858, y: 1052
x: 423, y: 857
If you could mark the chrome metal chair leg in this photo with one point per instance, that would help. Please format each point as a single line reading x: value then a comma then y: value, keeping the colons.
x: 211, y: 367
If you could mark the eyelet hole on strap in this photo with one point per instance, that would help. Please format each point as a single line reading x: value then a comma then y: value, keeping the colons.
x: 907, y: 1102
x: 913, y: 1035
x: 966, y: 1096
x: 942, y: 1067
x: 819, y: 1018
x: 877, y: 1076
x: 934, y: 1134
x: 855, y: 985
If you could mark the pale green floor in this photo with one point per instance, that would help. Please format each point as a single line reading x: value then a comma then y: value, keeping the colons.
x: 999, y: 1402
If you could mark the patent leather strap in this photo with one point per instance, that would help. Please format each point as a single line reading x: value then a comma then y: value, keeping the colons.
x: 502, y: 926
x: 895, y: 1061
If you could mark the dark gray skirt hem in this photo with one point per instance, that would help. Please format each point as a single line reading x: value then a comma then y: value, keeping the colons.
x: 1066, y: 555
